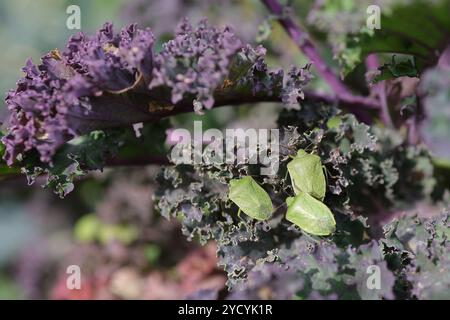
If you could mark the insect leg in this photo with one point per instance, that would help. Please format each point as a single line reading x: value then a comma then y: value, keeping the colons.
x: 328, y: 173
x: 311, y: 237
x: 325, y: 170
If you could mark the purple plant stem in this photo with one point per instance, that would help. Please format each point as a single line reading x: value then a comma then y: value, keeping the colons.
x: 380, y: 90
x: 353, y: 103
x: 372, y: 62
x: 301, y: 39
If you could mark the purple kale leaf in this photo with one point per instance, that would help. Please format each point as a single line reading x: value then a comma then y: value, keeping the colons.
x: 77, y: 91
x: 195, y: 62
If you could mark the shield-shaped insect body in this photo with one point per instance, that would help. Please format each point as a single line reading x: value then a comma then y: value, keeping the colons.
x: 310, y: 215
x: 306, y: 172
x: 251, y: 198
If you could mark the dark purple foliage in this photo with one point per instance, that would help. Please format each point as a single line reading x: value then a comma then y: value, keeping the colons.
x: 69, y: 93
x: 195, y: 62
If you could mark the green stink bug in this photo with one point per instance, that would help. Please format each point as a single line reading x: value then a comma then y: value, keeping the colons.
x: 306, y: 172
x: 251, y: 198
x: 310, y: 215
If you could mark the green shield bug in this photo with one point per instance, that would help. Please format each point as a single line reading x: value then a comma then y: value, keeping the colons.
x: 306, y: 172
x: 310, y: 214
x: 251, y: 198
